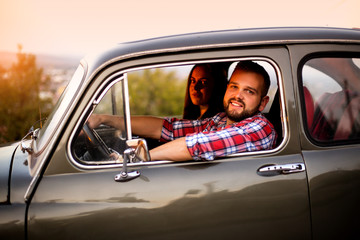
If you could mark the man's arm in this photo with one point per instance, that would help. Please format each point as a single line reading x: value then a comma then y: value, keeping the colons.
x: 175, y: 150
x: 150, y: 127
x: 145, y: 126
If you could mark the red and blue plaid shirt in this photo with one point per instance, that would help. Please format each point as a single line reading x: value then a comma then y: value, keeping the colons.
x: 210, y: 138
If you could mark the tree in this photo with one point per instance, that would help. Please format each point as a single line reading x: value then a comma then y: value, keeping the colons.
x: 20, y: 102
x: 156, y: 92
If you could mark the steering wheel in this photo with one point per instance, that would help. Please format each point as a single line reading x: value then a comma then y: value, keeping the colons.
x: 98, y: 148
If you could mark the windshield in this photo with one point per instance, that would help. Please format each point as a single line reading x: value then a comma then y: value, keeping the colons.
x: 60, y: 108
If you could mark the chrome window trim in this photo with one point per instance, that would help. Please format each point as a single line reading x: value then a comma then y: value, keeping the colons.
x: 118, y: 76
x: 126, y: 102
x: 96, y: 98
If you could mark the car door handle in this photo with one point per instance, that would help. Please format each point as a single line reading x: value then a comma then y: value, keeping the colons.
x: 270, y: 170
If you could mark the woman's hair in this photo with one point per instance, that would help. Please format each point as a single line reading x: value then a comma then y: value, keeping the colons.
x: 218, y: 72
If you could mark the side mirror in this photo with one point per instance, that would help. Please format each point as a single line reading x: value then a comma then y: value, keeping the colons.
x: 141, y: 150
x: 137, y: 151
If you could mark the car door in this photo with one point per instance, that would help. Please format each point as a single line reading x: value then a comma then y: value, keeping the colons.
x: 331, y: 136
x: 250, y: 195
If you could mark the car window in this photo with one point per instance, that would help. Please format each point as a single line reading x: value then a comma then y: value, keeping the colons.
x: 105, y: 144
x: 331, y: 98
x: 160, y: 92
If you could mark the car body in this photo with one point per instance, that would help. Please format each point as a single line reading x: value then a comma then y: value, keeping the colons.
x: 307, y: 187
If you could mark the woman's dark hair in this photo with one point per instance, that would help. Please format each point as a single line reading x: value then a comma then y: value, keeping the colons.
x: 219, y: 73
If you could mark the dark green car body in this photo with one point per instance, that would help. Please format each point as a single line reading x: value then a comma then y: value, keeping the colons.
x: 46, y: 192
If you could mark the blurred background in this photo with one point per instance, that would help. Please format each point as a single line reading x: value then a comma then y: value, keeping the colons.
x: 42, y: 42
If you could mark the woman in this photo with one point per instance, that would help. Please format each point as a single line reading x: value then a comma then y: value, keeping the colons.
x: 205, y: 91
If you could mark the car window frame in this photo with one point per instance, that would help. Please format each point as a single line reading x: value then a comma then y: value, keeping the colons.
x: 121, y: 73
x: 302, y: 63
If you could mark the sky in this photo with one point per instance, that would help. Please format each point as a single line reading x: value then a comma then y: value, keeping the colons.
x: 78, y: 27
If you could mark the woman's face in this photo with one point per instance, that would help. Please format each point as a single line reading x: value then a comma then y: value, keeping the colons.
x: 201, y: 86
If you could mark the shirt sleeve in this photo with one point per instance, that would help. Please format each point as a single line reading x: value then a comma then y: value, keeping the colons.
x: 174, y: 128
x: 253, y: 136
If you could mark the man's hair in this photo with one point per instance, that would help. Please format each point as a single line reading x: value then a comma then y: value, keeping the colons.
x: 250, y: 66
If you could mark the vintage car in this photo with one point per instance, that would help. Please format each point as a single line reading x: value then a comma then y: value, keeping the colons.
x: 63, y: 182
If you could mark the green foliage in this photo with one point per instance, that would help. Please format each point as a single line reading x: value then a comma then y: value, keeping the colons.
x: 20, y: 102
x: 156, y: 92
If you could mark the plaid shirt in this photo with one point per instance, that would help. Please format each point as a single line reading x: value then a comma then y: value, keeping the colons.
x: 210, y: 138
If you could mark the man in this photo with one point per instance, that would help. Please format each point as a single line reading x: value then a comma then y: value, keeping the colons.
x: 241, y: 128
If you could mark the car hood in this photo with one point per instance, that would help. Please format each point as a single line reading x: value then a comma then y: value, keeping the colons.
x: 6, y: 155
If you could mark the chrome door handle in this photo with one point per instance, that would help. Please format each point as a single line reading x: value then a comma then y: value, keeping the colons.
x: 281, y: 169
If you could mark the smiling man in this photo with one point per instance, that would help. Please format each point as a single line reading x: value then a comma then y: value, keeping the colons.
x: 246, y: 92
x: 241, y: 128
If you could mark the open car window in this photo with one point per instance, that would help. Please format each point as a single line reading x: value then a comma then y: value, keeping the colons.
x: 160, y: 91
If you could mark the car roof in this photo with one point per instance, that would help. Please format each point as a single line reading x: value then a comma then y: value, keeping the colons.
x: 224, y: 38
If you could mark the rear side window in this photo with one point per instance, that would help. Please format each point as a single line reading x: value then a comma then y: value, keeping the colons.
x: 331, y: 98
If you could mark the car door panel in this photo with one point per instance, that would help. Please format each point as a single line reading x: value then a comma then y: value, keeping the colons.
x: 217, y: 199
x: 334, y: 181
x: 333, y: 165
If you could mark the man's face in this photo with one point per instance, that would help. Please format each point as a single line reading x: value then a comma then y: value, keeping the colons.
x: 243, y: 96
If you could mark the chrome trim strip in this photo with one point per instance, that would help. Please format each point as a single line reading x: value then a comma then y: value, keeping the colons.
x: 127, y: 107
x: 98, y: 99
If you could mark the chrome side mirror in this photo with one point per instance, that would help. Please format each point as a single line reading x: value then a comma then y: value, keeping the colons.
x: 141, y: 150
x: 137, y: 151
